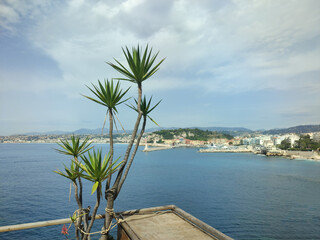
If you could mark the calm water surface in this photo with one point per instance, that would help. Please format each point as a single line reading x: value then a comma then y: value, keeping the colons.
x: 245, y: 196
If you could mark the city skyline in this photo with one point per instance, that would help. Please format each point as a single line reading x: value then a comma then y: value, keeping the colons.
x: 228, y: 63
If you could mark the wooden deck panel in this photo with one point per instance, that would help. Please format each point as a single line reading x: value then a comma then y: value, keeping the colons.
x: 165, y: 223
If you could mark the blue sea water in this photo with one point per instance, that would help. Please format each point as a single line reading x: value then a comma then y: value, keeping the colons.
x: 245, y: 196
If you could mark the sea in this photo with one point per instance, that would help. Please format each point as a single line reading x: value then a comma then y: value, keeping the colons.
x: 243, y: 195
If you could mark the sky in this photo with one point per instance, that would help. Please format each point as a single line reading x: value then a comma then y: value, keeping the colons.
x: 232, y: 63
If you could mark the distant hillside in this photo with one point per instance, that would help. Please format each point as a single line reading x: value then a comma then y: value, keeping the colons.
x: 225, y: 129
x: 85, y: 131
x: 234, y: 131
x: 191, y: 133
x: 297, y: 129
x: 159, y: 129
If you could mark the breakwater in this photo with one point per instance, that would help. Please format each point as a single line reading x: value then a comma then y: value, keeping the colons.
x: 151, y: 149
x: 156, y: 147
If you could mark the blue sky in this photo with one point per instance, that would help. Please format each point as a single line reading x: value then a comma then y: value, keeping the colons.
x: 253, y: 64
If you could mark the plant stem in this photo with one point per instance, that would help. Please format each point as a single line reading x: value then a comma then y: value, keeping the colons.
x: 134, y: 133
x: 93, y: 216
x: 78, y: 221
x: 78, y: 197
x: 111, y: 145
x: 80, y: 183
x: 111, y: 194
x: 133, y: 154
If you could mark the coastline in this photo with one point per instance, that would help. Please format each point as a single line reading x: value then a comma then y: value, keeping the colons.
x: 225, y: 151
x: 293, y: 155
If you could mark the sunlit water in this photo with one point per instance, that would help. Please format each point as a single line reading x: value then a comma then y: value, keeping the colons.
x: 245, y: 196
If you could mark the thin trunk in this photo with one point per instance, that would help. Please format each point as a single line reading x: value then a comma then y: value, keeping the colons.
x: 111, y: 145
x: 80, y: 182
x: 78, y: 220
x: 111, y: 194
x: 85, y: 218
x: 133, y: 154
x: 78, y: 196
x: 134, y: 133
x: 108, y: 217
x: 107, y: 220
x: 80, y: 190
x: 93, y: 216
x: 80, y: 207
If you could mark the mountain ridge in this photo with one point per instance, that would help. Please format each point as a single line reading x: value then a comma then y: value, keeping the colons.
x: 85, y: 131
x: 296, y: 129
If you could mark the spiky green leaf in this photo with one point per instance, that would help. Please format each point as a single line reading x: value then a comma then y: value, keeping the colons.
x: 140, y: 67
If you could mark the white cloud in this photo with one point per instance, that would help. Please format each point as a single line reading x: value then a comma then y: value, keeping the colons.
x: 217, y: 46
x: 14, y: 12
x: 228, y: 42
x: 8, y: 16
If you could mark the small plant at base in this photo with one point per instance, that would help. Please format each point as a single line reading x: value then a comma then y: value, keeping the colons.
x: 64, y: 231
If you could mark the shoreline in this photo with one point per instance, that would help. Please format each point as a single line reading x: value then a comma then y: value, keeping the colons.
x: 225, y: 151
x: 293, y: 155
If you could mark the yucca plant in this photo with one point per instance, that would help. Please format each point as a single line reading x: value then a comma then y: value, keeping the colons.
x: 96, y: 169
x: 70, y: 173
x: 141, y: 66
x: 109, y: 95
x: 146, y: 108
x: 74, y: 148
x: 73, y: 174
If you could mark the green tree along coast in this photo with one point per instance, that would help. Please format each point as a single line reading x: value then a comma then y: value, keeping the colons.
x: 192, y: 134
x: 305, y: 143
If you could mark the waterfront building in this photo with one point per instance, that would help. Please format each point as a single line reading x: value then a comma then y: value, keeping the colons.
x: 315, y: 136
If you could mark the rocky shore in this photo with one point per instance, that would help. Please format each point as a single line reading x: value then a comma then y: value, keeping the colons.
x: 310, y: 155
x: 303, y: 155
x: 225, y: 150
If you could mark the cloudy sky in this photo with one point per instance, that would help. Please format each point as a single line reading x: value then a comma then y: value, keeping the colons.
x: 231, y: 63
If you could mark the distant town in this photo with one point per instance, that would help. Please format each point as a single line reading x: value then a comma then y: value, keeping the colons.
x: 278, y: 144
